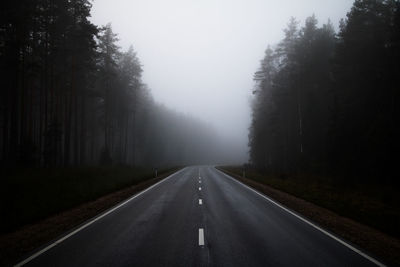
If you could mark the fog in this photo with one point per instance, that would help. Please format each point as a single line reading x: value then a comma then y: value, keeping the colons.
x: 199, y: 56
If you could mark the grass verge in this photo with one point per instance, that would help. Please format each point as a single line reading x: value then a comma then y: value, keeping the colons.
x: 334, y: 206
x: 375, y: 205
x: 29, y: 195
x: 47, y: 203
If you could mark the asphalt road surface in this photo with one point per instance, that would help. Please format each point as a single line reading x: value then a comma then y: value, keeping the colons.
x: 199, y: 217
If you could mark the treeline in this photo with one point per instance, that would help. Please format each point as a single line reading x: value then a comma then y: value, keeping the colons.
x: 329, y: 103
x: 70, y: 96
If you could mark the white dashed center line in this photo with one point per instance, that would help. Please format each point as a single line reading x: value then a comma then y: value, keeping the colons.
x: 201, y: 237
x: 201, y: 230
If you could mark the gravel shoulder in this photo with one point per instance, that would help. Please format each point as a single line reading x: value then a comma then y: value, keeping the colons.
x: 17, y: 245
x: 374, y: 242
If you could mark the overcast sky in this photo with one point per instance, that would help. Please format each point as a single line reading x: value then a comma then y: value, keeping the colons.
x: 199, y: 56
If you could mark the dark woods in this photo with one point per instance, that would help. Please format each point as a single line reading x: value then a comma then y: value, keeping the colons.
x: 70, y: 96
x: 329, y: 103
x: 324, y: 102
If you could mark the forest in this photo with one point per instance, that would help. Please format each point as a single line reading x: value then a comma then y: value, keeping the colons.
x: 71, y: 97
x: 324, y: 102
x: 327, y: 102
x: 300, y: 151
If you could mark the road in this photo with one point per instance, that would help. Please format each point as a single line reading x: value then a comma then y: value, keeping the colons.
x: 198, y: 217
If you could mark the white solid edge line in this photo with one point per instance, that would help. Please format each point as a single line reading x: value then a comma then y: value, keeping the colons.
x: 359, y: 252
x: 201, y: 237
x: 55, y: 243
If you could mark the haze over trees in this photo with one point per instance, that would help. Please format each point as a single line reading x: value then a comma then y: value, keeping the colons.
x: 327, y: 102
x: 324, y: 101
x: 70, y: 96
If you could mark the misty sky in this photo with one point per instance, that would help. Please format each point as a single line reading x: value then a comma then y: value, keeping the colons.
x: 199, y: 56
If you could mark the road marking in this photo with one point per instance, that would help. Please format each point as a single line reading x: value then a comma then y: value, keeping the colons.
x: 200, y: 202
x: 359, y: 252
x: 201, y: 237
x: 199, y: 188
x: 55, y: 243
x: 199, y: 182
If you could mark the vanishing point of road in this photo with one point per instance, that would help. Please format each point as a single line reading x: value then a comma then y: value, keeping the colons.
x: 199, y: 216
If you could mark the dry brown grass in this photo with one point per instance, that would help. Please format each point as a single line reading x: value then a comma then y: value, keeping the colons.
x: 17, y: 244
x: 306, y: 200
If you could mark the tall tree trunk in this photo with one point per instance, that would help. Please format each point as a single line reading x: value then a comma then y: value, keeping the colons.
x: 83, y: 129
x: 76, y: 130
